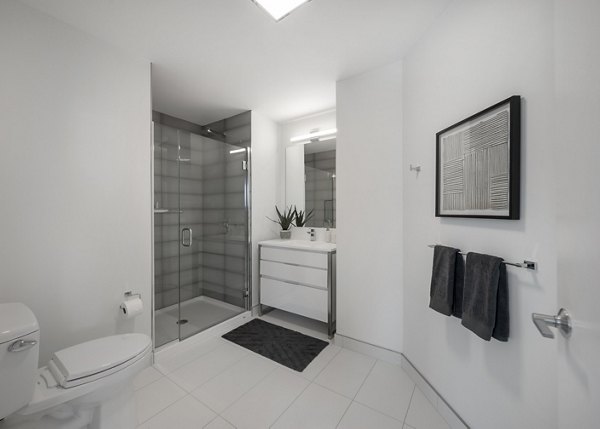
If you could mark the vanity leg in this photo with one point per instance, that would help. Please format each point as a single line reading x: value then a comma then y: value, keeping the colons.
x: 331, y: 296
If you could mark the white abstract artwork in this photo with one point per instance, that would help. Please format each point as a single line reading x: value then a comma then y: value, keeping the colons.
x: 474, y: 166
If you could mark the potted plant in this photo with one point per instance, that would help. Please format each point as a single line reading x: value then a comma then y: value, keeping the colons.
x: 301, y: 231
x: 301, y: 217
x: 285, y: 221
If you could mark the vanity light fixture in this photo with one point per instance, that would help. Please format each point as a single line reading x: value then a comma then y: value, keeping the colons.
x: 279, y: 9
x: 237, y: 150
x: 324, y: 139
x: 316, y: 135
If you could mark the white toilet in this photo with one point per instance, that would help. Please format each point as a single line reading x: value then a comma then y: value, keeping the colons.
x: 85, y: 386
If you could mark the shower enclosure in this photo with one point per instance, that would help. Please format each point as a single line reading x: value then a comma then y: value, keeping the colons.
x: 201, y: 219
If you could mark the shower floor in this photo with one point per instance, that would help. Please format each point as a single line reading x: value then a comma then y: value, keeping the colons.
x: 201, y: 313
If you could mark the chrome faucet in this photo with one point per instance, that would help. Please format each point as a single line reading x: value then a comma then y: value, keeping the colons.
x: 313, y: 234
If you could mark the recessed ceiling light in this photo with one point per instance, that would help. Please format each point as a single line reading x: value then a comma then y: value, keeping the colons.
x: 279, y: 9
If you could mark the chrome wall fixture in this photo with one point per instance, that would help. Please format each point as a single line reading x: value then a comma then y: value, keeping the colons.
x: 562, y: 321
x: 530, y: 265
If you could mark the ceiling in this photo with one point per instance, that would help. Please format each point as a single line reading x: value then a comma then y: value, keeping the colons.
x: 216, y: 58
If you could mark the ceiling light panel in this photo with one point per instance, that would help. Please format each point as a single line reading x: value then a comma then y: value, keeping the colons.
x: 279, y: 9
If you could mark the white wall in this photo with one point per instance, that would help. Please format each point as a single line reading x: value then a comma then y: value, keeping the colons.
x: 477, y: 54
x: 369, y: 186
x: 577, y: 152
x: 75, y: 172
x: 265, y: 173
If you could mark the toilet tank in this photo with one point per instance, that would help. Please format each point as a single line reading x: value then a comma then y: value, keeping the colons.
x: 19, y: 353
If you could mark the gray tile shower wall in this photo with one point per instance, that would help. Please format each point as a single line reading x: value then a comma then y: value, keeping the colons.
x: 224, y: 205
x: 201, y: 177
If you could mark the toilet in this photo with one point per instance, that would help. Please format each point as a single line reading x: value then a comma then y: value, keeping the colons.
x: 88, y: 385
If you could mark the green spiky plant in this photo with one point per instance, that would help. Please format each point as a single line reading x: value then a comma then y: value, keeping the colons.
x: 285, y: 219
x: 301, y: 217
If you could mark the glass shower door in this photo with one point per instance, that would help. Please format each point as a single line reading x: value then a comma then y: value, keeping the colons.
x: 166, y: 234
x: 201, y: 250
x: 213, y: 232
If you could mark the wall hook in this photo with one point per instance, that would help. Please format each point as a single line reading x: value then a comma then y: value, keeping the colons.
x: 416, y: 168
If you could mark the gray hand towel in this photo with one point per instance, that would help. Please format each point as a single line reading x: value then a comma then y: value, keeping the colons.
x: 459, y: 284
x: 441, y: 293
x: 501, y: 328
x: 485, y: 297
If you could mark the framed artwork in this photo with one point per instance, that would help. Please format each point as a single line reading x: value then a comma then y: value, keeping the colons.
x: 478, y: 163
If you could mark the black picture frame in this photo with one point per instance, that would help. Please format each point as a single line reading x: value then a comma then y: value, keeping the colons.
x: 478, y: 164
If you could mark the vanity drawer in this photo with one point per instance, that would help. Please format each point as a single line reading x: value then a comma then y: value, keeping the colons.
x: 303, y: 300
x: 293, y: 273
x: 298, y: 257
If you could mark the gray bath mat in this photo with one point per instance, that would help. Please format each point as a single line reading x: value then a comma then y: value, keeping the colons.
x: 284, y: 346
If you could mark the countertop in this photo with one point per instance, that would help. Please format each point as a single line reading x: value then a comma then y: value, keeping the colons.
x: 313, y: 246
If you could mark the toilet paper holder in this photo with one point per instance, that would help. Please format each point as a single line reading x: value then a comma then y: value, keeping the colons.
x: 130, y: 294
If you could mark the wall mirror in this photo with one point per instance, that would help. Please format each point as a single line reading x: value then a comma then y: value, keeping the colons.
x: 311, y: 180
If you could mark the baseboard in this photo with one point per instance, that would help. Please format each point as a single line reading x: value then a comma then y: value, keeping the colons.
x: 368, y: 349
x: 392, y: 356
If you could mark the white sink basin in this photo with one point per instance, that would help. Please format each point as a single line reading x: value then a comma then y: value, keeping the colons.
x: 317, y: 246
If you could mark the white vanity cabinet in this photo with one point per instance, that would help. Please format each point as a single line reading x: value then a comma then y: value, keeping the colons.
x: 299, y: 276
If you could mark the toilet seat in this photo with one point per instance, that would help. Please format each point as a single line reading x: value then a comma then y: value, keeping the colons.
x: 106, y: 368
x: 89, y: 361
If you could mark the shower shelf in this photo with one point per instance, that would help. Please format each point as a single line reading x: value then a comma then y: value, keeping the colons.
x: 166, y: 211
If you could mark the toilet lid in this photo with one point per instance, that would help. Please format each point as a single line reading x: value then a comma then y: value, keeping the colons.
x: 99, y: 355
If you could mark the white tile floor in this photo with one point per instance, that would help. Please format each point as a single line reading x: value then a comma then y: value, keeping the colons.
x: 217, y: 384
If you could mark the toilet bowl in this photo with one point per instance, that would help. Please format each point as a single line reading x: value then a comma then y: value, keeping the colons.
x: 88, y: 385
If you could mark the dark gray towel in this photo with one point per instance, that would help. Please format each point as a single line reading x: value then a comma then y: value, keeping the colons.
x: 441, y: 293
x: 485, y: 297
x: 459, y: 284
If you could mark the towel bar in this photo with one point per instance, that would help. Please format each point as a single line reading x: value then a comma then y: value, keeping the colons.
x: 525, y: 264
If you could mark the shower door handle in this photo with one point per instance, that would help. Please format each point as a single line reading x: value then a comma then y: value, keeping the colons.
x: 186, y: 242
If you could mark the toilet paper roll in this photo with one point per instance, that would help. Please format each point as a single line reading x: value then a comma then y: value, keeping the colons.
x: 132, y: 308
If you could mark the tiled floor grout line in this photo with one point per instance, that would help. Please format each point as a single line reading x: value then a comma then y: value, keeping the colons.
x: 161, y: 410
x: 409, y: 404
x: 211, y: 420
x: 326, y: 365
x: 365, y: 379
x: 344, y: 413
x: 187, y: 394
x: 291, y: 403
x: 378, y: 411
x: 151, y: 383
x: 243, y: 394
x: 332, y: 391
x: 232, y: 425
x: 352, y: 399
x: 207, y: 380
x: 187, y: 363
x: 203, y: 403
